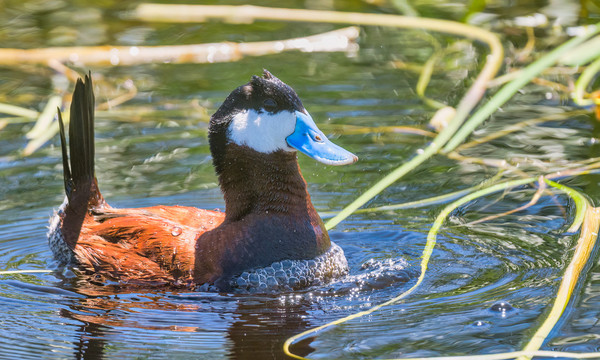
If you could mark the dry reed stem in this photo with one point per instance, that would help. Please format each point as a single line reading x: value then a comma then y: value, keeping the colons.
x: 337, y: 40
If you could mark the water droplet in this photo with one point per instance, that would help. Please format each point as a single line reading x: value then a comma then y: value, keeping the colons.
x: 502, y: 307
x: 176, y: 231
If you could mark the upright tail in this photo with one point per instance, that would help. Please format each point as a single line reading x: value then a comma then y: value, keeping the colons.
x: 81, y: 186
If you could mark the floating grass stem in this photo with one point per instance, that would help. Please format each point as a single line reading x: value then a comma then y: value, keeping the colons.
x: 590, y: 218
x: 591, y: 221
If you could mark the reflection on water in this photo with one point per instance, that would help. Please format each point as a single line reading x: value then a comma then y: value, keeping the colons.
x: 488, y: 284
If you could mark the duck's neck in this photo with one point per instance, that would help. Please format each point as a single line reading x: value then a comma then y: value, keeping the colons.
x: 258, y: 183
x: 268, y: 215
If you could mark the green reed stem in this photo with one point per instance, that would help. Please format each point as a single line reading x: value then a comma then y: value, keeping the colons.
x: 590, y: 218
x: 432, y: 200
x: 583, y: 81
x: 581, y: 203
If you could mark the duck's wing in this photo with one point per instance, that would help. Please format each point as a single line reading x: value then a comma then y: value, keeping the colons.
x: 148, y: 244
x: 114, y: 262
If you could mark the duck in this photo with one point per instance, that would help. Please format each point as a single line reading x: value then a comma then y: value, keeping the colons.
x: 269, y: 237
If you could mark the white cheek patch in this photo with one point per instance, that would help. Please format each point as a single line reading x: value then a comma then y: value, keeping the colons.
x: 263, y: 132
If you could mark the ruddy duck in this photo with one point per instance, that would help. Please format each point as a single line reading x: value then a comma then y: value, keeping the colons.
x: 270, y: 235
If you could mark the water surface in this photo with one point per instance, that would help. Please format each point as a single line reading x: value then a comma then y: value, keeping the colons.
x: 153, y: 150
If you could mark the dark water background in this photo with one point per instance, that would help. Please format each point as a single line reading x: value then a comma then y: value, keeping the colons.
x: 153, y: 150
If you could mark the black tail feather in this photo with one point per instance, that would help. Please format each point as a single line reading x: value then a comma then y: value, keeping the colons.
x: 80, y: 182
x: 81, y: 187
x: 65, y: 156
x: 81, y: 133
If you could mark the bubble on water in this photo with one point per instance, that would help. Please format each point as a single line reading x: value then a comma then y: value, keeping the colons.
x: 502, y: 307
x: 478, y: 326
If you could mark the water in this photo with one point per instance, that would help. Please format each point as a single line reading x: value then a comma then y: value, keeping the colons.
x: 153, y: 150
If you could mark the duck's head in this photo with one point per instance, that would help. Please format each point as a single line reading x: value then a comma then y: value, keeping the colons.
x: 266, y: 115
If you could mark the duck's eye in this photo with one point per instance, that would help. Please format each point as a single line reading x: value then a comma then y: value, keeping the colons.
x: 318, y: 138
x: 270, y: 105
